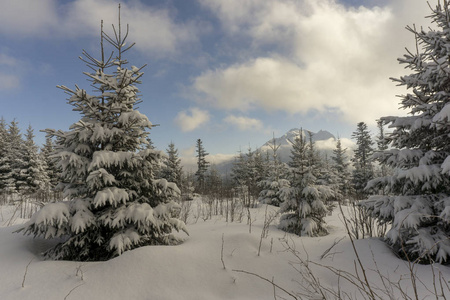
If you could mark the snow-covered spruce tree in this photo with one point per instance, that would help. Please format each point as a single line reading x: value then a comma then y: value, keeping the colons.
x: 49, y: 163
x: 172, y: 169
x: 303, y: 209
x: 37, y: 180
x: 114, y: 202
x: 416, y: 198
x: 239, y: 175
x: 15, y: 173
x: 259, y: 171
x: 341, y: 168
x: 275, y: 180
x: 382, y: 145
x: 362, y: 160
x: 4, y: 169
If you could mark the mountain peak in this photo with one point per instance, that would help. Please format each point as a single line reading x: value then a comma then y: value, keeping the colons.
x: 290, y: 136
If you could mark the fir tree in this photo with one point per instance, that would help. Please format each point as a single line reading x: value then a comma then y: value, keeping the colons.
x: 37, y: 179
x: 303, y: 209
x: 172, y: 170
x: 15, y: 176
x: 202, y: 166
x: 382, y: 145
x: 417, y: 195
x: 275, y: 180
x: 239, y: 175
x: 341, y: 168
x: 4, y: 167
x: 254, y: 172
x: 115, y: 202
x: 49, y: 163
x: 239, y: 170
x: 362, y: 163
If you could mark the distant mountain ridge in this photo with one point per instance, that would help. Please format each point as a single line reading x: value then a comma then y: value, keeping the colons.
x: 285, y: 143
x: 290, y: 136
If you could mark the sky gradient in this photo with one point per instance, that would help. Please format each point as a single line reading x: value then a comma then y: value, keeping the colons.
x: 229, y: 72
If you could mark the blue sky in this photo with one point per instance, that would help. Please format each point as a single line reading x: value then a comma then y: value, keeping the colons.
x: 229, y: 72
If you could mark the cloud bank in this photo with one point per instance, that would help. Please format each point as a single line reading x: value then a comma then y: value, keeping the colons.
x: 153, y: 29
x: 325, y: 57
x: 244, y: 123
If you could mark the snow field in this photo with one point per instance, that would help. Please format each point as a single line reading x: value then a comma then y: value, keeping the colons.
x: 193, y: 270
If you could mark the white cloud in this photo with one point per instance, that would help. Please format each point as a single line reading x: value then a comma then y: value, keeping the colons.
x: 328, y: 57
x: 244, y: 123
x: 330, y: 144
x: 153, y: 29
x: 7, y: 60
x: 8, y: 77
x: 191, y: 119
x: 27, y: 17
x: 8, y: 81
x: 189, y: 160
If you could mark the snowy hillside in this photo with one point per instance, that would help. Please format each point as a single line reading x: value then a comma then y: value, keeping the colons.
x: 194, y: 269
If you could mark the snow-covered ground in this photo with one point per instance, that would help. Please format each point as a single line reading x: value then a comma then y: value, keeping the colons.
x: 194, y: 269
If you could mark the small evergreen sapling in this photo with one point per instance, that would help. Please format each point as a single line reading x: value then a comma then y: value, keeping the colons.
x: 114, y: 201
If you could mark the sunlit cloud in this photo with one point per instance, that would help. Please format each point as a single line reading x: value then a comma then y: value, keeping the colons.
x: 329, y: 58
x: 244, y: 123
x: 191, y: 119
x: 189, y: 160
x: 8, y: 81
x: 153, y: 29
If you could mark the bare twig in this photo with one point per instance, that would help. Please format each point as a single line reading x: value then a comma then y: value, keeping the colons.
x: 327, y: 252
x: 269, y: 281
x: 357, y: 254
x: 73, y: 290
x: 221, y: 252
x: 25, y: 275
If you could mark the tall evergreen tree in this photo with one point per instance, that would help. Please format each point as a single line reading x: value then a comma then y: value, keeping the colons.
x: 115, y: 202
x: 15, y: 176
x: 341, y: 168
x: 239, y: 175
x: 172, y: 170
x: 49, y: 163
x: 254, y: 172
x: 382, y: 145
x: 275, y: 180
x: 417, y: 195
x: 4, y: 167
x: 202, y: 166
x: 362, y: 161
x: 37, y: 179
x: 239, y: 170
